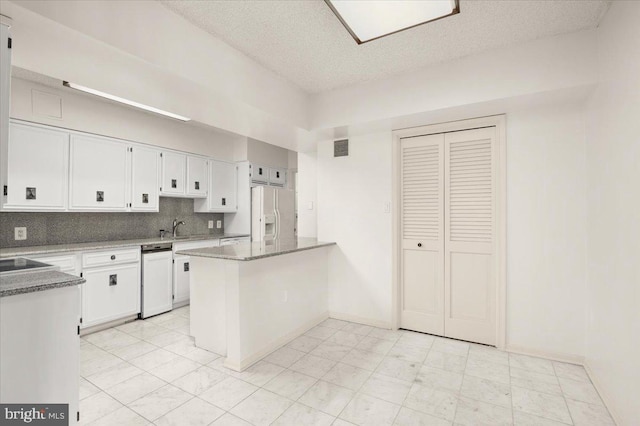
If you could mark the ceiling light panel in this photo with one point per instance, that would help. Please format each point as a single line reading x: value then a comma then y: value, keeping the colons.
x: 368, y: 20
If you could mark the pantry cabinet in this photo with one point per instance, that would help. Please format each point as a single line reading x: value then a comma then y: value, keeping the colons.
x: 35, y: 168
x: 222, y: 197
x: 99, y: 174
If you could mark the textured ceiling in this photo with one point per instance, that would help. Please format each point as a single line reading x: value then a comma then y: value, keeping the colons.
x: 305, y: 43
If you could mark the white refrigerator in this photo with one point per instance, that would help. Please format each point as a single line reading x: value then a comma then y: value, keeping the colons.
x: 272, y: 213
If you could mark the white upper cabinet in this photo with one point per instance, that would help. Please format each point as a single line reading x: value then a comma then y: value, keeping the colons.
x: 99, y: 174
x: 222, y: 196
x: 260, y: 175
x: 145, y: 188
x: 35, y: 168
x: 197, y: 176
x: 277, y: 177
x: 174, y: 173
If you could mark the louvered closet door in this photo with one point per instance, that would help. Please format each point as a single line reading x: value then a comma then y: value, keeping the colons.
x: 469, y: 250
x: 422, y: 230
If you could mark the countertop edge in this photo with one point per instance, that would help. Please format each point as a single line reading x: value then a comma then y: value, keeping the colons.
x: 70, y: 281
x: 194, y: 253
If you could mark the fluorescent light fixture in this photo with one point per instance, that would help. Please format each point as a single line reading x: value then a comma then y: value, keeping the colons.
x: 124, y: 101
x: 368, y: 20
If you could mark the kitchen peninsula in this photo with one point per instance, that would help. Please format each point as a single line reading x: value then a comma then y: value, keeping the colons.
x: 249, y: 299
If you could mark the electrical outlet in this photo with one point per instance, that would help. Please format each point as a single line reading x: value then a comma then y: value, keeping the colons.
x: 218, y: 224
x: 21, y: 233
x: 210, y: 224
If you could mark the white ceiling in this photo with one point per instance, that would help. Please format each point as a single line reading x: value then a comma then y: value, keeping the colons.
x: 305, y: 43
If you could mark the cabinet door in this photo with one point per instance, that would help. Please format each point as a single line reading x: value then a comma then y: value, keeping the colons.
x: 157, y: 286
x: 99, y: 174
x: 223, y: 187
x: 277, y: 177
x: 37, y: 168
x: 197, y: 174
x: 181, y: 280
x: 173, y: 173
x: 145, y: 163
x: 259, y: 174
x: 110, y: 293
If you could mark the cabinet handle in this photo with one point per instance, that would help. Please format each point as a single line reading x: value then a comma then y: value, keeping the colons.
x: 278, y: 175
x: 113, y: 257
x: 224, y: 201
x: 99, y: 196
x: 260, y: 171
x: 31, y: 193
x: 113, y: 279
x: 174, y: 183
x: 419, y: 244
x: 186, y: 266
x: 145, y: 198
x: 197, y: 185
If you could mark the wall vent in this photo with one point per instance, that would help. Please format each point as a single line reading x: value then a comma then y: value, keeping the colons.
x: 341, y: 148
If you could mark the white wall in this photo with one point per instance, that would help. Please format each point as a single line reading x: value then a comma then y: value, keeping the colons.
x: 266, y: 154
x: 613, y: 161
x: 546, y: 230
x: 90, y: 114
x: 544, y: 65
x: 352, y: 193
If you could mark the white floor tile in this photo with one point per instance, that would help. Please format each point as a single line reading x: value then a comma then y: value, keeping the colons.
x: 97, y: 406
x: 386, y: 388
x: 584, y: 414
x: 313, y: 366
x: 230, y: 420
x: 365, y: 410
x: 373, y: 344
x: 284, y: 357
x: 99, y: 363
x: 334, y: 323
x: 530, y: 363
x: 122, y: 416
x: 409, y: 417
x: 167, y: 338
x: 153, y: 359
x: 200, y: 380
x: 87, y: 388
x: 571, y: 371
x: 525, y: 419
x: 135, y: 388
x: 399, y: 369
x: 114, y: 375
x: 579, y: 391
x: 535, y: 381
x: 475, y: 413
x: 299, y: 414
x: 290, y: 384
x: 261, y: 408
x: 346, y: 339
x: 259, y: 373
x: 419, y: 340
x: 201, y: 356
x: 182, y: 347
x: 320, y: 332
x: 408, y: 352
x: 357, y: 329
x: 228, y: 393
x: 446, y: 361
x: 347, y: 376
x: 450, y: 346
x: 331, y: 350
x: 439, y: 379
x: 486, y: 391
x: 488, y: 370
x: 539, y: 404
x: 160, y: 402
x: 391, y: 335
x: 488, y: 354
x: 174, y: 369
x: 133, y: 351
x: 431, y: 401
x: 304, y: 343
x: 363, y: 359
x: 327, y: 397
x: 194, y: 412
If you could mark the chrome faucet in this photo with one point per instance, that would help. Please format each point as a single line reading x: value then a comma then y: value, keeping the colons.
x: 175, y: 226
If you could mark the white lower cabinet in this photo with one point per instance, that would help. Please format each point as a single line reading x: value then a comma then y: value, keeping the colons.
x: 181, y: 280
x: 112, y: 291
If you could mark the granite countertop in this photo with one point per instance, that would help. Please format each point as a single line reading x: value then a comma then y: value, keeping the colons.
x: 257, y: 250
x: 30, y: 282
x: 61, y: 248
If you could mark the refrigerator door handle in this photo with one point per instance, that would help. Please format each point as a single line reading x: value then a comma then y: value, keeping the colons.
x: 277, y: 214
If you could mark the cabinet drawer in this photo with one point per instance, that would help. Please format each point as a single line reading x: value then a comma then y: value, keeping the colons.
x: 67, y: 263
x: 110, y: 257
x: 110, y: 293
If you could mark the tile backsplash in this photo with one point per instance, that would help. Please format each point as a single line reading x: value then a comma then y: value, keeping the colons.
x: 69, y: 228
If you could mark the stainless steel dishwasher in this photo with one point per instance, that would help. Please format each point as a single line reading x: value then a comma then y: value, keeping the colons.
x: 157, y: 279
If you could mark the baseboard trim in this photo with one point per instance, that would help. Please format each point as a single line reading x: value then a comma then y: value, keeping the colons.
x: 605, y: 397
x: 553, y: 356
x: 111, y: 324
x: 360, y: 320
x: 274, y: 345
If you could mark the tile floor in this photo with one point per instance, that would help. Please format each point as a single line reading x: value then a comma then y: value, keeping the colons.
x: 338, y: 373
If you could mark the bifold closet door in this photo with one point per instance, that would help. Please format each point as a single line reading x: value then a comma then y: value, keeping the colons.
x: 422, y: 230
x: 469, y: 244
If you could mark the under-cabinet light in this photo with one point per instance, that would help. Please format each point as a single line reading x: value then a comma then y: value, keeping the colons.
x: 124, y: 101
x: 368, y: 20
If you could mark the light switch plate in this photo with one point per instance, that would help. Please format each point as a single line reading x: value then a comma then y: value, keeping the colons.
x: 21, y: 233
x: 210, y: 224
